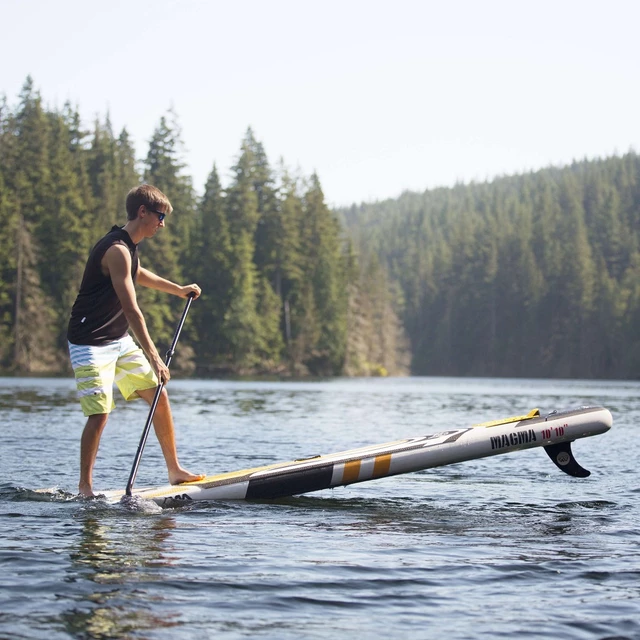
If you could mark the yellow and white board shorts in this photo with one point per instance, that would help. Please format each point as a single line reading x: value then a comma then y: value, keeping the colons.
x: 97, y: 368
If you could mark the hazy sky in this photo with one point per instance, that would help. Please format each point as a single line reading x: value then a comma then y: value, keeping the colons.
x: 377, y: 97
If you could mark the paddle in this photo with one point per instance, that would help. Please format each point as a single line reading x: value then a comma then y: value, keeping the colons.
x: 156, y: 398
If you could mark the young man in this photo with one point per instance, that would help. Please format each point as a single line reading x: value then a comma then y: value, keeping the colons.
x: 101, y: 349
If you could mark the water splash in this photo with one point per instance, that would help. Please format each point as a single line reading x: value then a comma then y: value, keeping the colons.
x: 139, y: 505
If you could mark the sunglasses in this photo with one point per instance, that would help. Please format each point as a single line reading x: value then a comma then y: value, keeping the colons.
x: 161, y: 216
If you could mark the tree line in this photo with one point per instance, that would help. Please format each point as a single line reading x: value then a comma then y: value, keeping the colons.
x: 528, y: 275
x: 284, y: 291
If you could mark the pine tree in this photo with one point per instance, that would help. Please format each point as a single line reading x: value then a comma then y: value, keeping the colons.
x: 165, y: 170
x: 242, y: 324
x: 243, y: 203
x: 102, y: 171
x: 215, y: 259
x: 375, y: 344
x: 8, y: 259
x: 126, y: 173
x: 64, y: 227
x: 164, y: 253
x: 327, y: 278
x: 27, y: 175
x: 34, y: 339
x: 288, y: 275
x: 268, y: 305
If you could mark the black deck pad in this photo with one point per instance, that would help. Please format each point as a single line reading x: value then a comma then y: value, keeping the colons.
x: 290, y: 484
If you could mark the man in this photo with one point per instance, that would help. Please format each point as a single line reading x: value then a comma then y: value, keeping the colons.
x: 100, y: 346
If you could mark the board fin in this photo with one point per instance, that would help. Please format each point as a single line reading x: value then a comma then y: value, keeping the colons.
x: 562, y: 457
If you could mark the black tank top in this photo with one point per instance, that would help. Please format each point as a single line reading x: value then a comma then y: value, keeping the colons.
x: 97, y: 316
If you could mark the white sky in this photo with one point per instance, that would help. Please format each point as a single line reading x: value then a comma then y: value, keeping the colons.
x: 376, y: 96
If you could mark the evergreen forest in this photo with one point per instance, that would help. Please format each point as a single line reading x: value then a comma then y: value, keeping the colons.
x: 283, y: 290
x: 536, y: 275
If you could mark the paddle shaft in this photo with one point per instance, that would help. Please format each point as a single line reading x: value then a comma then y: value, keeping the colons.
x: 156, y: 398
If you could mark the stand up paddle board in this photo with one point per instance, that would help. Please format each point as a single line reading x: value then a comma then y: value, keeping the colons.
x: 554, y: 431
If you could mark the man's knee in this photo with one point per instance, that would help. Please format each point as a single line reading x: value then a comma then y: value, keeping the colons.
x: 164, y: 397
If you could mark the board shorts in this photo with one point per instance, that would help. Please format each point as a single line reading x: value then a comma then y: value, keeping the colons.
x: 96, y: 368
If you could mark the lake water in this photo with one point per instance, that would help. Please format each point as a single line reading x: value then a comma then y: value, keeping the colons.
x: 504, y: 547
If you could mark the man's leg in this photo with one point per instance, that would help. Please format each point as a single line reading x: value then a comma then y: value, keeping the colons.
x: 94, y: 369
x: 89, y: 450
x: 165, y: 432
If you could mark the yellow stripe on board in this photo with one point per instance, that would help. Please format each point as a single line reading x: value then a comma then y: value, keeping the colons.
x: 381, y: 465
x: 494, y: 423
x: 351, y: 471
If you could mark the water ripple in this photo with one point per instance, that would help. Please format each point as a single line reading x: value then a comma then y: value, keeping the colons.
x: 505, y: 547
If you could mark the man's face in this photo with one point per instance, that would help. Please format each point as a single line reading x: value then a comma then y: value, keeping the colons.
x: 153, y: 219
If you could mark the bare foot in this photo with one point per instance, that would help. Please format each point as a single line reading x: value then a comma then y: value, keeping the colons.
x: 182, y: 475
x: 85, y: 490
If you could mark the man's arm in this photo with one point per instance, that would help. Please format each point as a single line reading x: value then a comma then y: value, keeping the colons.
x: 149, y: 279
x: 117, y: 261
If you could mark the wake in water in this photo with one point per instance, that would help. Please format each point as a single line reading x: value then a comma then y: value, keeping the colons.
x: 52, y: 494
x: 55, y: 494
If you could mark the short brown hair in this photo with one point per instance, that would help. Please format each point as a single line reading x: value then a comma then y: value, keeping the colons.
x: 147, y: 195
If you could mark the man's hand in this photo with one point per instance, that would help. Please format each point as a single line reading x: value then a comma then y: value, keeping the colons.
x: 190, y: 288
x: 161, y: 369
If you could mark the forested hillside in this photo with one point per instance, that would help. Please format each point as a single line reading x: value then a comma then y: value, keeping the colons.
x: 531, y: 275
x: 283, y: 290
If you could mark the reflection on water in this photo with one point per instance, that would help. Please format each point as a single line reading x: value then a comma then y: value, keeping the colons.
x: 109, y: 547
x: 120, y: 556
x: 113, y: 621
